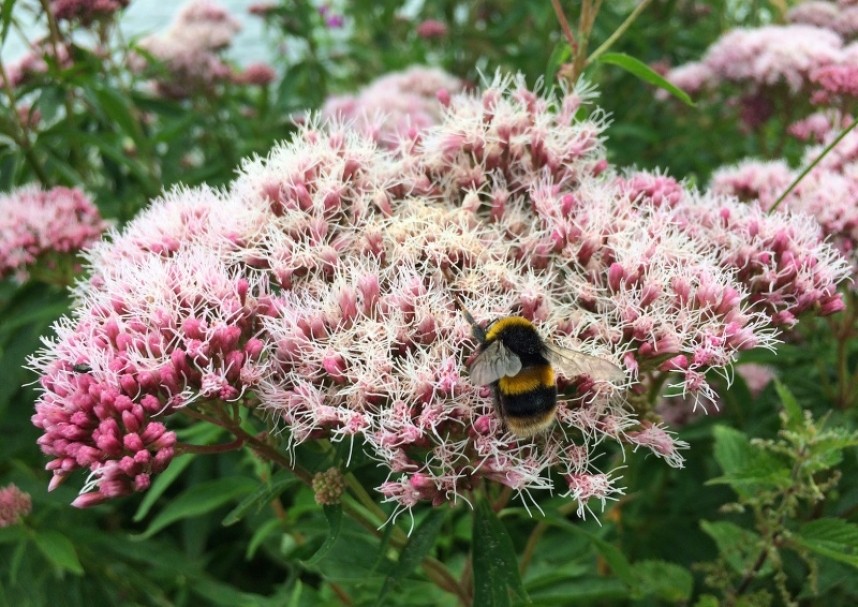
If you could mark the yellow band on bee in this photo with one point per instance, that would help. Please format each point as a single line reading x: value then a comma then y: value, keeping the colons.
x: 531, y: 378
x: 505, y: 323
x: 533, y: 424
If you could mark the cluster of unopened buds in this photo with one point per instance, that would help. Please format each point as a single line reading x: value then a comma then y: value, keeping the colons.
x: 317, y: 291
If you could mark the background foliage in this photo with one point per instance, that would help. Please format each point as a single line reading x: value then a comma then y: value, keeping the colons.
x: 763, y: 513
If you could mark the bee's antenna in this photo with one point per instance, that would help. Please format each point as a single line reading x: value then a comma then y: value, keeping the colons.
x: 479, y: 332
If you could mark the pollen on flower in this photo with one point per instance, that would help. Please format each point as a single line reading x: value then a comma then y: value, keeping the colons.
x: 319, y: 288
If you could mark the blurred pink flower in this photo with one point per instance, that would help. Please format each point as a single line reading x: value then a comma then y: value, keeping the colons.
x: 691, y: 77
x: 817, y: 126
x: 835, y: 81
x: 756, y: 376
x: 827, y: 195
x: 834, y: 16
x: 34, y: 224
x: 14, y: 504
x: 86, y: 11
x: 262, y: 9
x: 395, y: 106
x: 258, y: 74
x: 771, y: 55
x: 432, y: 28
x: 189, y: 50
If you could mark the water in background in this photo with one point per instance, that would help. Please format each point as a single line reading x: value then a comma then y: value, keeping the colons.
x: 147, y: 16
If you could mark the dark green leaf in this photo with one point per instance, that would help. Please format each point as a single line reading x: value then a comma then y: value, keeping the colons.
x: 747, y: 468
x: 199, y: 499
x: 559, y: 56
x: 334, y: 514
x: 418, y: 546
x: 495, y: 564
x: 266, y: 530
x: 161, y: 483
x: 645, y: 73
x: 793, y: 410
x: 6, y: 17
x: 59, y: 550
x: 116, y: 108
x: 264, y: 494
x: 666, y: 581
x: 834, y: 538
x: 739, y: 547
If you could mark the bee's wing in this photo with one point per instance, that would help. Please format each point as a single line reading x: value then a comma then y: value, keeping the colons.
x: 572, y: 364
x: 494, y: 362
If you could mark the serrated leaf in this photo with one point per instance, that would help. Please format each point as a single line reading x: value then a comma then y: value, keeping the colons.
x: 334, y: 514
x: 199, y: 499
x: 418, y: 546
x: 645, y: 73
x: 746, y: 467
x: 59, y: 550
x: 664, y: 580
x: 739, y: 547
x: 830, y: 537
x: 495, y: 564
x: 264, y: 494
x: 795, y: 418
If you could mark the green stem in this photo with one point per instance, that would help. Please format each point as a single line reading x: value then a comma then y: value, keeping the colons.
x: 619, y: 31
x: 810, y: 167
x: 56, y: 41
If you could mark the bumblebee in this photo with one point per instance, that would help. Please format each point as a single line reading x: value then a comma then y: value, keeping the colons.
x: 520, y: 367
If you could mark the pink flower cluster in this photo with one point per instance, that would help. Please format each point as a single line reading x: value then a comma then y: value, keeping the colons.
x: 316, y: 290
x: 36, y: 225
x: 86, y: 11
x: 396, y: 106
x: 14, y: 504
x: 840, y: 17
x: 757, y: 58
x: 431, y: 29
x: 827, y: 194
x: 190, y: 50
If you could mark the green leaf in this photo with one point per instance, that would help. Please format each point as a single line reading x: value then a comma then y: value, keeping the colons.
x: 418, y: 546
x: 334, y: 514
x: 495, y: 564
x: 795, y: 419
x: 162, y: 483
x: 830, y: 537
x: 116, y: 108
x: 199, y: 499
x: 645, y: 73
x: 559, y: 56
x: 739, y: 547
x: 264, y: 494
x: 747, y: 468
x: 266, y: 530
x: 667, y: 581
x: 59, y: 550
x: 6, y: 19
